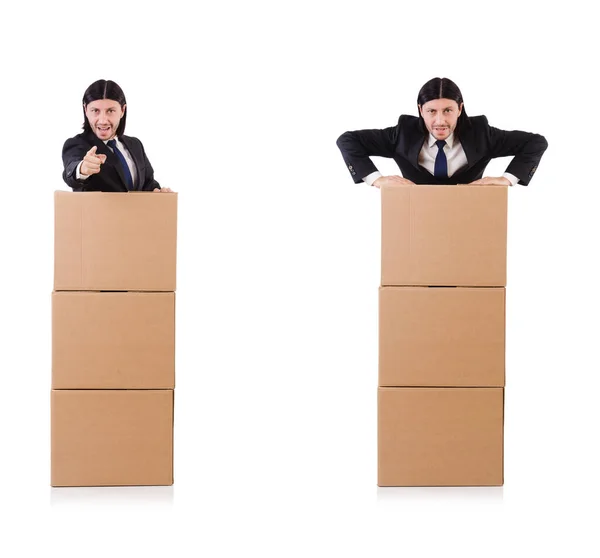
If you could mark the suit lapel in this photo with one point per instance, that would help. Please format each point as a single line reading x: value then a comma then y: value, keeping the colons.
x: 411, y: 143
x: 413, y: 152
x: 470, y: 147
x: 136, y: 156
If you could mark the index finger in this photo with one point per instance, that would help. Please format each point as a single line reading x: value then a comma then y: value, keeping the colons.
x: 92, y: 151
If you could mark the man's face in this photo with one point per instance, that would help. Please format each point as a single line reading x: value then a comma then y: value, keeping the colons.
x: 104, y: 116
x: 440, y: 116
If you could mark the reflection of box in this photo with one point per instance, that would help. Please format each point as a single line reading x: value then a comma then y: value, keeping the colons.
x: 112, y: 437
x: 120, y: 340
x: 115, y: 241
x: 444, y: 235
x: 441, y: 336
x: 440, y: 436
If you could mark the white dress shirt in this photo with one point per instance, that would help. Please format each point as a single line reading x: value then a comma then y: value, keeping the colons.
x: 455, y: 155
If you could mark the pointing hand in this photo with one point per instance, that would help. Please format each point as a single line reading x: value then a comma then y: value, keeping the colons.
x: 91, y: 162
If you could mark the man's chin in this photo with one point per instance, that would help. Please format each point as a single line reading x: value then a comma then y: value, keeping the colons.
x: 104, y: 136
x: 441, y: 134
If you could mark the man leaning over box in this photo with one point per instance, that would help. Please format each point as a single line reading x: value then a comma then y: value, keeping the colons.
x: 102, y: 158
x: 442, y: 145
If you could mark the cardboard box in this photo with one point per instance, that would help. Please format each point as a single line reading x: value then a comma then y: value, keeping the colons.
x: 122, y: 340
x: 115, y: 241
x: 441, y: 336
x: 112, y: 437
x: 440, y: 436
x: 444, y: 235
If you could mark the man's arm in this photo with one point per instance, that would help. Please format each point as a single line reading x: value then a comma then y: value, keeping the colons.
x: 149, y: 183
x: 359, y: 145
x: 527, y: 149
x: 76, y: 173
x: 72, y: 154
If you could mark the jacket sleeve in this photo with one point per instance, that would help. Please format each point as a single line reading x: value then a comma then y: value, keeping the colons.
x: 73, y: 152
x: 359, y: 145
x: 527, y: 149
x: 149, y: 182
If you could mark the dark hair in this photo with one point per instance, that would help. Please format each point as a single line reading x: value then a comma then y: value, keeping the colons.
x: 442, y: 88
x: 104, y: 89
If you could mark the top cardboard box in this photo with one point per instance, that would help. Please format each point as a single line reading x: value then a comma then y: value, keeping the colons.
x: 443, y: 235
x: 115, y: 241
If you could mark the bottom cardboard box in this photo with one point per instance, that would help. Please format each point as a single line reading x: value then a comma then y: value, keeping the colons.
x: 440, y: 436
x: 112, y: 437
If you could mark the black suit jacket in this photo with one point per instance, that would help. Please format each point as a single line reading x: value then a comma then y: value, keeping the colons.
x: 480, y: 141
x: 111, y: 177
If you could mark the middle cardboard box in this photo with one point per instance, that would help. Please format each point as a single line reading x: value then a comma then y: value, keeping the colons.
x: 441, y: 336
x: 113, y: 340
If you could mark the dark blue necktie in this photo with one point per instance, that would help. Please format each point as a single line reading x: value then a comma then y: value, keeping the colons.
x: 441, y: 163
x: 113, y: 145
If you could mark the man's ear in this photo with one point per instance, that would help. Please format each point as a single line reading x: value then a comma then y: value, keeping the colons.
x: 460, y: 109
x: 420, y: 109
x: 123, y: 110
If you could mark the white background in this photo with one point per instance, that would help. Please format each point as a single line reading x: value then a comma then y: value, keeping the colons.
x: 239, y: 105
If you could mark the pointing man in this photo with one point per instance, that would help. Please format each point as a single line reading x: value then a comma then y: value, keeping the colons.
x: 102, y: 158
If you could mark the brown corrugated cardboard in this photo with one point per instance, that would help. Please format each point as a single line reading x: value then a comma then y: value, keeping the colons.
x: 120, y: 340
x: 444, y: 235
x: 115, y: 241
x: 112, y: 437
x: 441, y: 336
x: 440, y: 436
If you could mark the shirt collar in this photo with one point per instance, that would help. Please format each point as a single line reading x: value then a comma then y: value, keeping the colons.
x: 115, y: 138
x: 449, y: 140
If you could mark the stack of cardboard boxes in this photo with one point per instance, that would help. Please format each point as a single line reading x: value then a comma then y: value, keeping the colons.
x: 113, y: 339
x: 442, y: 336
